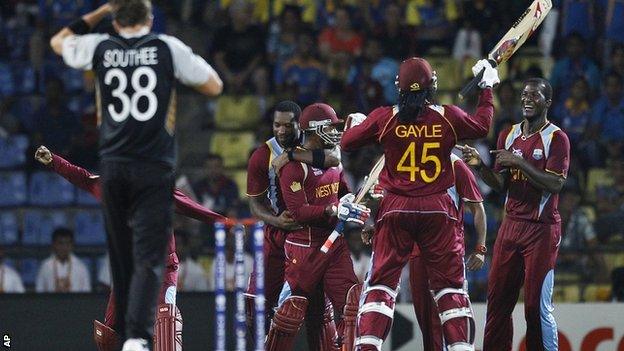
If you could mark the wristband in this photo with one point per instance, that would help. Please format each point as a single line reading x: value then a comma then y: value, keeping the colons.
x: 291, y: 155
x: 481, y: 249
x: 318, y: 158
x: 79, y: 27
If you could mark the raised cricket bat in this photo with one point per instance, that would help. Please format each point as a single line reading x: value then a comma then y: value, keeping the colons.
x: 519, y: 32
x: 370, y: 181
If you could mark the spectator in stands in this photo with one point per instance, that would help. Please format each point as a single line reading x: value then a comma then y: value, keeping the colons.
x: 10, y: 280
x: 608, y: 115
x: 304, y: 75
x: 433, y: 22
x: 340, y: 43
x: 579, y: 241
x: 396, y: 39
x: 467, y: 44
x: 575, y: 63
x: 63, y: 271
x: 484, y: 16
x: 610, y: 203
x: 230, y: 265
x: 217, y: 191
x: 7, y: 90
x: 59, y: 13
x: 616, y: 61
x: 55, y: 125
x: 614, y: 26
x: 577, y: 16
x: 191, y: 276
x: 282, y: 39
x: 371, y: 79
x: 574, y: 113
x: 238, y: 47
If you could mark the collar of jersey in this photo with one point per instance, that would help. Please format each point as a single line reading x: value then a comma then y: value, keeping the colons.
x: 141, y: 32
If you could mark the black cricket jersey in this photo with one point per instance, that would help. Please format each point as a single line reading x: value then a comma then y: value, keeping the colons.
x: 136, y: 90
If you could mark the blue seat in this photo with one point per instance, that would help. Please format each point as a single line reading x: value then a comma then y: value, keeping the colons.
x: 13, y: 188
x: 9, y: 228
x: 24, y: 78
x: 39, y: 225
x: 28, y: 270
x: 50, y: 189
x: 89, y: 228
x: 25, y: 109
x: 84, y: 198
x: 13, y: 151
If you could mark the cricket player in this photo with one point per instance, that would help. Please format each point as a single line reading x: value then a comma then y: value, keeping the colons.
x: 105, y: 336
x: 417, y: 137
x: 312, y: 195
x: 266, y: 204
x: 469, y: 196
x: 136, y: 75
x: 532, y: 161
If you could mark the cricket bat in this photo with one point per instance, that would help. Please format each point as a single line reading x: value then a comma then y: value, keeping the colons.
x: 370, y: 181
x: 519, y: 32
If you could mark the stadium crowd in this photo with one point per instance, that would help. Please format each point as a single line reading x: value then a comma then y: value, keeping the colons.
x: 346, y: 53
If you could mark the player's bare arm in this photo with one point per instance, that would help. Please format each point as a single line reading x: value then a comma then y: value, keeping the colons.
x: 316, y: 158
x: 494, y: 180
x: 262, y: 210
x: 477, y: 258
x: 91, y: 19
x: 553, y: 183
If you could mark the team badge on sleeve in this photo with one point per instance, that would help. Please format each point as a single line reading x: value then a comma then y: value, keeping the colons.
x: 295, y: 186
x: 538, y: 154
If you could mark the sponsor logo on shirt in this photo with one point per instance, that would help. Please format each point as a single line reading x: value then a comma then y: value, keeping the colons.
x: 516, y: 152
x: 538, y: 154
x: 326, y: 190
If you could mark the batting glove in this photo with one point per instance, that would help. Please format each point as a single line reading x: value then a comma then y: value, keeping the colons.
x: 354, y: 119
x: 350, y: 212
x: 490, y: 74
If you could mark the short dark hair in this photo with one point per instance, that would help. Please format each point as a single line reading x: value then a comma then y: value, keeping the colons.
x: 62, y: 232
x: 546, y: 87
x: 289, y: 106
x: 129, y: 13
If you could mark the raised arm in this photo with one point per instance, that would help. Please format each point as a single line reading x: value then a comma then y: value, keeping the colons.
x: 315, y: 158
x: 80, y: 26
x: 185, y: 206
x: 78, y: 176
x: 472, y: 126
x: 360, y: 132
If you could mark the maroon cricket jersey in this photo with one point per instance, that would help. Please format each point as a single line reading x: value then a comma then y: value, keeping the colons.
x: 547, y: 150
x: 261, y: 176
x: 307, y: 191
x: 418, y: 153
x: 465, y: 189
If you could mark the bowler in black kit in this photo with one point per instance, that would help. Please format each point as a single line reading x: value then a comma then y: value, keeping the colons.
x: 136, y: 71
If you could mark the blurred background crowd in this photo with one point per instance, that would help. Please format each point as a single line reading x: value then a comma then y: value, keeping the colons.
x: 343, y: 52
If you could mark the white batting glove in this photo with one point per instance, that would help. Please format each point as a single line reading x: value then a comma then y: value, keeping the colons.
x: 350, y: 212
x: 354, y: 119
x: 490, y: 75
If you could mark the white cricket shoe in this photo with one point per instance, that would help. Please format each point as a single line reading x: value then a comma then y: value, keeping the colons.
x: 135, y: 345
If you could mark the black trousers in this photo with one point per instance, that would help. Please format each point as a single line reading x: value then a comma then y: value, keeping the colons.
x: 138, y: 209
